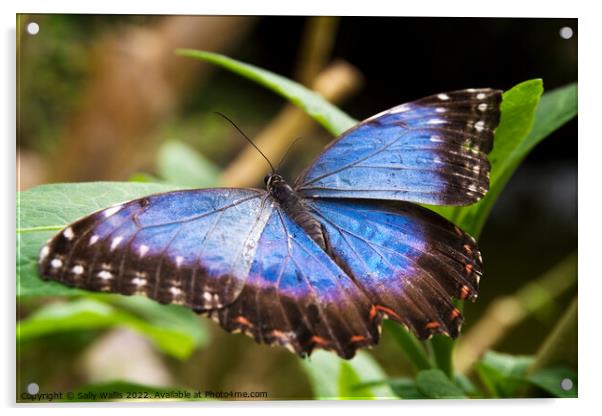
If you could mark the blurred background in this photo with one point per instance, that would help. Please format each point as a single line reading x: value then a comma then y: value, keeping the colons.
x: 103, y: 97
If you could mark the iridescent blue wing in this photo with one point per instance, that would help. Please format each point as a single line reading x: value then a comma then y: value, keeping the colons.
x: 190, y: 247
x: 408, y: 260
x: 298, y: 297
x: 230, y: 253
x: 431, y: 151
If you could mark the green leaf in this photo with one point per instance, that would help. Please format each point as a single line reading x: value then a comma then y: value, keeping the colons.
x: 467, y: 385
x: 503, y: 374
x: 333, y: 378
x: 434, y: 384
x: 143, y: 177
x: 44, y: 210
x: 328, y: 115
x: 525, y: 122
x: 405, y: 388
x: 176, y: 331
x: 180, y: 164
x: 550, y: 380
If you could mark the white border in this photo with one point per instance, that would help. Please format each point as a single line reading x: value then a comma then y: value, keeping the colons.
x: 590, y: 138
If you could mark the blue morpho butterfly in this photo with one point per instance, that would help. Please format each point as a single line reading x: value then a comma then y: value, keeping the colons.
x: 318, y: 264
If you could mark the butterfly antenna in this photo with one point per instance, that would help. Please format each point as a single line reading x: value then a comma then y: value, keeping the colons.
x: 249, y: 140
x: 287, y: 152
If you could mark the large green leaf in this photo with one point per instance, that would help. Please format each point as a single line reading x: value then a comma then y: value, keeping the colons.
x: 558, y: 381
x: 434, y: 384
x: 525, y: 122
x: 44, y: 210
x: 503, y: 374
x: 333, y: 119
x: 405, y: 388
x: 180, y: 164
x: 334, y: 378
x: 173, y: 330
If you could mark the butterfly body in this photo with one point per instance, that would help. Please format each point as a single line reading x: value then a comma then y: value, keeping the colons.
x: 292, y: 204
x: 318, y: 264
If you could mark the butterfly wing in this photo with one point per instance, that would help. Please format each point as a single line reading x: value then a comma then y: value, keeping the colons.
x: 431, y: 151
x: 191, y: 247
x: 407, y: 259
x: 298, y: 297
x: 230, y: 253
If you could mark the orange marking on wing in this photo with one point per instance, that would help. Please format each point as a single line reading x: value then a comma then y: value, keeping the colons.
x: 468, y: 268
x: 243, y: 321
x: 358, y: 338
x: 372, y: 312
x: 388, y: 311
x: 464, y: 292
x: 467, y: 248
x: 319, y: 340
x: 454, y: 314
x: 433, y: 325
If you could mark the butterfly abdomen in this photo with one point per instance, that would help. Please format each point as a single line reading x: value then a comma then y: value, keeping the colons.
x: 292, y: 204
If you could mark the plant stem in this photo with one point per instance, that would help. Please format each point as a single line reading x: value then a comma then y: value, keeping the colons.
x: 443, y: 347
x: 506, y: 312
x: 560, y: 347
x: 412, y: 348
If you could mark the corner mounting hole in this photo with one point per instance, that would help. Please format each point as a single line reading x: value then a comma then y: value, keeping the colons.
x: 33, y: 388
x: 566, y: 384
x: 566, y: 32
x: 33, y: 28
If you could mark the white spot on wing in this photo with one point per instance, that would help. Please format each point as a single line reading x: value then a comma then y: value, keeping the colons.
x: 440, y: 110
x: 436, y: 139
x: 68, y: 233
x: 435, y: 121
x: 207, y: 296
x: 143, y: 250
x: 105, y: 275
x: 93, y: 239
x: 116, y: 242
x: 179, y: 260
x: 399, y: 109
x: 482, y: 107
x: 77, y: 269
x: 56, y: 263
x: 472, y: 188
x: 480, y: 96
x: 479, y: 125
x: 175, y: 291
x: 139, y: 281
x: 112, y: 210
x: 443, y: 97
x: 44, y: 252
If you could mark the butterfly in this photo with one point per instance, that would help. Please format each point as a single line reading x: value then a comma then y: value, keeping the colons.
x: 321, y: 263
